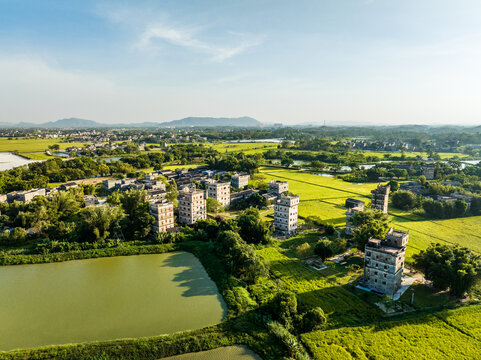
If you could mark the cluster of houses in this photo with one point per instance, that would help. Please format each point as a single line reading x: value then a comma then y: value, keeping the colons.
x: 376, y: 145
x: 193, y: 200
x: 100, y: 145
x: 448, y: 145
x: 27, y: 195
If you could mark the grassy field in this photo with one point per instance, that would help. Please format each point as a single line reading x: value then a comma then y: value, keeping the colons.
x: 246, y: 148
x: 33, y: 148
x: 427, y: 337
x: 467, y: 319
x: 27, y: 145
x: 325, y: 197
x: 314, y: 288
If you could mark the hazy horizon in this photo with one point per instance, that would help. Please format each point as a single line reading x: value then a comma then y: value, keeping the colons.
x: 364, y: 62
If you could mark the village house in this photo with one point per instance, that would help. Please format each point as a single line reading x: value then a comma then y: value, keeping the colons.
x: 240, y: 181
x: 25, y: 196
x: 428, y: 171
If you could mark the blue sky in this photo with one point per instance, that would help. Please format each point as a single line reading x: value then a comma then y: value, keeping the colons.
x: 339, y: 61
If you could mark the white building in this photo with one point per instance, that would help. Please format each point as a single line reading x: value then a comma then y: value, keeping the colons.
x: 285, y: 214
x: 163, y: 211
x: 278, y: 187
x: 219, y: 191
x: 192, y: 205
x: 240, y: 181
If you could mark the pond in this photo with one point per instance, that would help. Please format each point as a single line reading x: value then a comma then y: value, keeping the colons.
x: 9, y: 160
x: 104, y: 299
x: 224, y: 353
x: 111, y: 159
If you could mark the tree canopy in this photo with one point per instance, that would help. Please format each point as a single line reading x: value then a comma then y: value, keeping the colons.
x: 449, y: 267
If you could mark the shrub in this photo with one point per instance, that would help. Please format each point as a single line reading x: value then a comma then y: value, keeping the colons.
x: 303, y: 250
x: 314, y: 319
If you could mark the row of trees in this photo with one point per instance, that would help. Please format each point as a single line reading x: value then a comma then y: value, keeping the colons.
x: 406, y: 200
x: 235, y: 162
x: 64, y: 218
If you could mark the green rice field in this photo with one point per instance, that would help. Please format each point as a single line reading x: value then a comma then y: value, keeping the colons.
x: 325, y: 197
x: 426, y: 337
x: 246, y: 148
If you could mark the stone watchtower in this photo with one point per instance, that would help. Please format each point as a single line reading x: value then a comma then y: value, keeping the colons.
x: 384, y: 262
x: 380, y: 197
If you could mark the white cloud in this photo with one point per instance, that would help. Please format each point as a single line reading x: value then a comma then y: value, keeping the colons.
x: 185, y: 37
x: 150, y: 26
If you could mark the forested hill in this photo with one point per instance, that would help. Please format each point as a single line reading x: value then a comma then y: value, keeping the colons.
x: 244, y: 121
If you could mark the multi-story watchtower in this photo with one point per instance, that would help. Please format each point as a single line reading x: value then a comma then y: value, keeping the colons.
x: 163, y: 212
x: 192, y: 206
x: 380, y: 197
x: 384, y: 262
x: 285, y: 214
x: 219, y: 191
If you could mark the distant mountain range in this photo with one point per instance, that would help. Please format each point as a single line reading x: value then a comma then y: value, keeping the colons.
x: 76, y: 123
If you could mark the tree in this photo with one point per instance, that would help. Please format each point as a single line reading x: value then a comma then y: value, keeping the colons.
x: 241, y: 258
x: 138, y: 222
x: 303, y: 250
x: 324, y: 249
x: 394, y: 185
x: 100, y: 221
x: 284, y: 308
x: 369, y: 223
x: 422, y: 180
x: 172, y: 192
x: 449, y: 267
x: 214, y: 206
x: 251, y: 227
x: 132, y: 199
x: 287, y: 161
x: 15, y: 237
x: 404, y: 200
x: 64, y: 204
